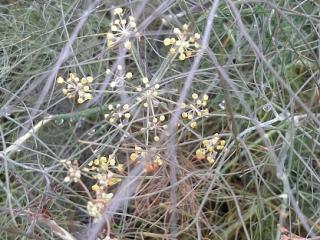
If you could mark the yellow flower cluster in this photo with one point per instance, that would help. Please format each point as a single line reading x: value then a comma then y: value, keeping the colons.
x: 76, y: 88
x: 119, y: 77
x: 100, y: 168
x: 152, y: 166
x: 118, y: 114
x: 210, y: 148
x: 148, y: 96
x: 96, y: 206
x: 196, y: 109
x: 184, y: 43
x: 104, y: 180
x: 140, y: 154
x: 74, y: 173
x: 121, y: 29
x: 106, y: 171
x: 101, y: 164
x: 157, y: 126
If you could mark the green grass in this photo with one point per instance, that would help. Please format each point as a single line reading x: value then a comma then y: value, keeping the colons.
x: 267, y: 112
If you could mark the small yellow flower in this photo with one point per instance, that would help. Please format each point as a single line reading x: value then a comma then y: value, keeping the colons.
x: 90, y: 79
x: 193, y: 124
x: 219, y: 147
x: 172, y: 51
x: 129, y: 75
x: 120, y: 168
x: 112, y: 162
x: 118, y: 11
x: 176, y: 31
x: 60, y: 80
x: 125, y: 107
x: 107, y: 196
x: 137, y: 148
x: 67, y: 179
x: 182, y: 56
x: 200, y: 154
x: 80, y: 100
x: 127, y: 45
x: 145, y: 80
x: 121, y: 29
x: 184, y: 115
x: 133, y: 156
x: 158, y: 160
x: 95, y: 188
x: 76, y: 89
x: 110, y: 107
x: 162, y: 118
x: 167, y: 41
x: 74, y: 173
x: 88, y: 96
x: 113, y: 181
x: 190, y: 116
x: 103, y: 160
x: 208, y: 151
x: 195, y: 96
x: 184, y: 42
x: 210, y: 159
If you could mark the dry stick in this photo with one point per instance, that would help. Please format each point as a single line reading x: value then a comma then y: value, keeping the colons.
x: 14, y: 147
x: 174, y: 120
x: 56, y: 229
x: 21, y: 140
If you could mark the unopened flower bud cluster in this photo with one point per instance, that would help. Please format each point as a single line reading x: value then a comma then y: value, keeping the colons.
x: 210, y: 148
x: 196, y: 109
x: 103, y: 171
x: 74, y: 172
x: 122, y: 29
x: 118, y: 114
x: 184, y: 43
x: 76, y: 88
x: 118, y: 77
